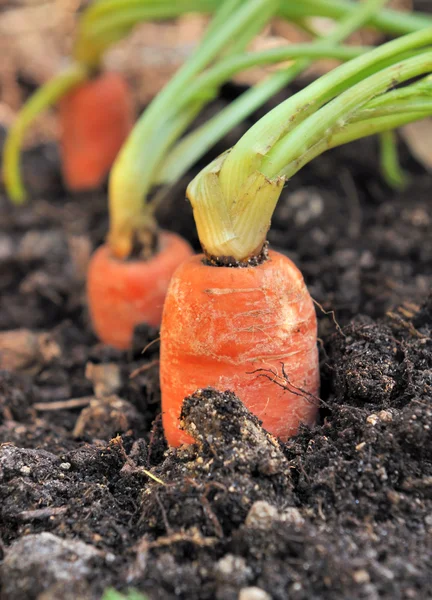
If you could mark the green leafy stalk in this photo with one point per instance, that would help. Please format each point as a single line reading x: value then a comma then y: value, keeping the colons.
x: 358, y: 129
x: 44, y: 97
x: 391, y: 169
x: 291, y: 152
x: 132, y: 173
x: 195, y: 144
x: 386, y: 20
x: 106, y: 22
x: 340, y: 110
x: 253, y: 148
x: 355, y: 100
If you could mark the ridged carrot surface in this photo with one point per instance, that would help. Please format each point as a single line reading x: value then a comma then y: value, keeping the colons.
x: 123, y: 294
x: 95, y: 120
x: 220, y: 324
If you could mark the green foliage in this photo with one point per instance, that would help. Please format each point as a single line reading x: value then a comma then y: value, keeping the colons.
x: 112, y: 594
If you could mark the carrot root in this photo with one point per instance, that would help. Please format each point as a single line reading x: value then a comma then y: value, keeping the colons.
x: 124, y: 294
x: 249, y: 330
x: 95, y: 120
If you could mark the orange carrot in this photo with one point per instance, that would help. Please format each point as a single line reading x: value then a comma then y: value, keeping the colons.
x: 124, y: 294
x: 95, y: 121
x: 234, y: 329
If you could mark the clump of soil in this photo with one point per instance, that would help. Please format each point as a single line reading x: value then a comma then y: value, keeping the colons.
x: 90, y: 496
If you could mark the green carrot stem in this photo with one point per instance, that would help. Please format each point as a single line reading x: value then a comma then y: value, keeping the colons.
x: 44, y: 97
x: 206, y: 85
x: 130, y: 216
x: 386, y: 20
x: 412, y: 105
x: 225, y: 69
x: 261, y: 140
x: 356, y: 131
x: 277, y: 162
x: 134, y: 167
x: 107, y: 21
x: 194, y: 145
x: 390, y: 167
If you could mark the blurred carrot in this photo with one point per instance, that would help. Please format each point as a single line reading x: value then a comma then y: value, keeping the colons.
x: 222, y: 325
x: 95, y: 120
x: 124, y: 294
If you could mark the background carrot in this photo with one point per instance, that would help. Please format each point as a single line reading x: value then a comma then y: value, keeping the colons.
x: 95, y: 120
x: 123, y: 294
x: 220, y: 324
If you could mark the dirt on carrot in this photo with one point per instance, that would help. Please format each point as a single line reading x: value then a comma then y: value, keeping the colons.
x: 342, y: 511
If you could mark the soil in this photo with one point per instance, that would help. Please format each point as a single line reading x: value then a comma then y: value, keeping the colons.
x: 91, y: 498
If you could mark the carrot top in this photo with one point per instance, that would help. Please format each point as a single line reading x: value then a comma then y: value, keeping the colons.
x: 234, y: 197
x: 151, y: 156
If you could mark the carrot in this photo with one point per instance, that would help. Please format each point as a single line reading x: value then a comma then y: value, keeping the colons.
x: 95, y: 120
x: 222, y: 325
x: 250, y: 326
x: 123, y: 294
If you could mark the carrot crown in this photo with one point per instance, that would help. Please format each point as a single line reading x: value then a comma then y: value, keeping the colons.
x: 234, y: 198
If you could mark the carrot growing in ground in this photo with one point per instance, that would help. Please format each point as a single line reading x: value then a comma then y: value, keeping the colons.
x: 128, y: 277
x: 113, y: 301
x: 238, y: 312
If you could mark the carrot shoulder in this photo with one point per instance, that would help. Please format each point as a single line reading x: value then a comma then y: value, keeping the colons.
x: 234, y: 329
x: 95, y: 120
x: 123, y: 294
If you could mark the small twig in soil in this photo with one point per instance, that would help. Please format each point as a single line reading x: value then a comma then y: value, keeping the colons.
x: 41, y: 513
x: 164, y: 515
x: 417, y: 484
x: 64, y: 404
x: 333, y: 316
x: 194, y: 538
x: 144, y: 350
x: 143, y: 368
x: 154, y: 477
x: 211, y: 515
x: 208, y: 511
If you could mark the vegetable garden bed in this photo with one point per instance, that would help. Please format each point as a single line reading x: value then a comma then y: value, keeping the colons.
x: 344, y: 510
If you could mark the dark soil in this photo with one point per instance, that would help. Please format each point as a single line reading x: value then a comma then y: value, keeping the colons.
x: 90, y: 497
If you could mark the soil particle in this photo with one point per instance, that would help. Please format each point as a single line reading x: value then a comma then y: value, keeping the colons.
x: 46, y: 563
x: 16, y: 398
x: 253, y: 593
